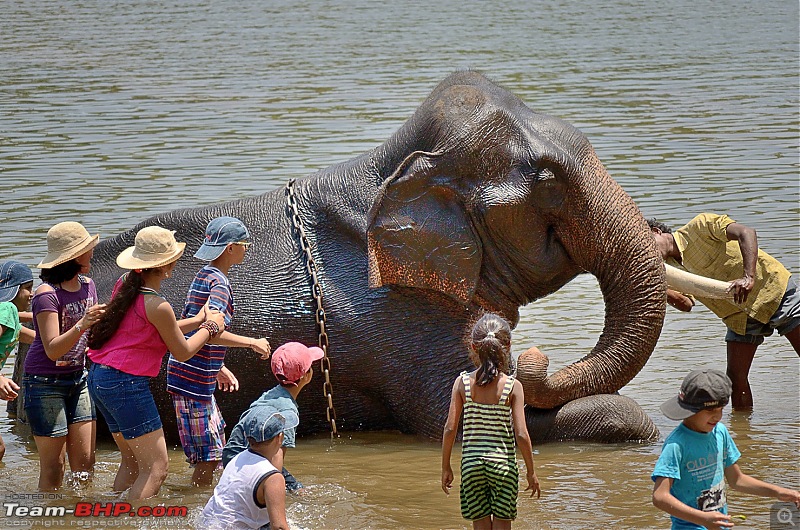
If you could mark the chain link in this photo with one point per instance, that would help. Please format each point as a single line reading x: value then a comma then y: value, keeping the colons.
x: 316, y: 292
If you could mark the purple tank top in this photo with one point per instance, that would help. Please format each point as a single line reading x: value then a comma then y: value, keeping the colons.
x: 70, y: 308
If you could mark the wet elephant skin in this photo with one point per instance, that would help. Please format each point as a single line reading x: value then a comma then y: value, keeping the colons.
x: 475, y: 204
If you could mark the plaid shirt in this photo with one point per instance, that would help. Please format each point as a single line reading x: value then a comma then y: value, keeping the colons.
x: 706, y: 251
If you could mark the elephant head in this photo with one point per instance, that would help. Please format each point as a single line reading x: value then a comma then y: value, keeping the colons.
x: 497, y: 206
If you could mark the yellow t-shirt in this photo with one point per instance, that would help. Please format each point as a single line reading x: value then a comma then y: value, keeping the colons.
x: 705, y: 250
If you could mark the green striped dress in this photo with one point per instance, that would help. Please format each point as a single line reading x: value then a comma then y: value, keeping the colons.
x: 489, y: 472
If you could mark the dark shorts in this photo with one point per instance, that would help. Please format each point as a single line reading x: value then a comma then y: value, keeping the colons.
x: 54, y: 402
x: 292, y: 484
x: 785, y: 319
x: 488, y: 487
x: 124, y: 400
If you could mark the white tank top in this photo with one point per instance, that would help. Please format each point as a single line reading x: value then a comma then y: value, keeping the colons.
x: 233, y: 504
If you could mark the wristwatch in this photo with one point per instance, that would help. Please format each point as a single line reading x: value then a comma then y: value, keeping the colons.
x: 78, y: 327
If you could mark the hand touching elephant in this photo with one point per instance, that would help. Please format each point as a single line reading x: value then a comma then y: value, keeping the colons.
x: 475, y: 204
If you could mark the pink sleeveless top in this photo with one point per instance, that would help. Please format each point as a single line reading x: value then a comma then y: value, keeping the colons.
x: 136, y: 348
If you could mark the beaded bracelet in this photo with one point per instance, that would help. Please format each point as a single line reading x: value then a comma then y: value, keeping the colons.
x: 212, y: 328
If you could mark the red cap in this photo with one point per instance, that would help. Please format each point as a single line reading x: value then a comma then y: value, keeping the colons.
x: 292, y: 360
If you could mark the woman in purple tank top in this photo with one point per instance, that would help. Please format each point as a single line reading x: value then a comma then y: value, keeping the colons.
x: 56, y: 400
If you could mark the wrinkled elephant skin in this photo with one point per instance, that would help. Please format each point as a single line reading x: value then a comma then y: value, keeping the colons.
x: 475, y: 204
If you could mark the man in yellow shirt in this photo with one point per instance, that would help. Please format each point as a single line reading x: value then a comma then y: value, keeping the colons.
x: 765, y: 297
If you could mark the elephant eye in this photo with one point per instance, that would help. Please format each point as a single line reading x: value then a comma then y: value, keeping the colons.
x: 534, y: 173
x: 544, y: 174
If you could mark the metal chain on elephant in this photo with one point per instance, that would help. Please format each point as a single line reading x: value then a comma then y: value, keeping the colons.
x: 316, y: 291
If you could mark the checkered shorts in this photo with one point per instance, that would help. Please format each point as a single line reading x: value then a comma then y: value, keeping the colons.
x: 201, y: 429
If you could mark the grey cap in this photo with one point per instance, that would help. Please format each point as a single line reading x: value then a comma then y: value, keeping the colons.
x: 701, y: 389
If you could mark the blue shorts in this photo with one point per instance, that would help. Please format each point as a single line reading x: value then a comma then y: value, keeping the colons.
x: 201, y: 429
x: 785, y: 319
x: 124, y: 400
x: 292, y: 484
x: 53, y: 402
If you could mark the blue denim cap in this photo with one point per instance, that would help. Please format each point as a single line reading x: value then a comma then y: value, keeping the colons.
x: 262, y: 422
x: 220, y: 233
x: 12, y: 275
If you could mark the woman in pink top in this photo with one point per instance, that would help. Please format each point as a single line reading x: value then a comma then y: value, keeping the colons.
x: 126, y: 347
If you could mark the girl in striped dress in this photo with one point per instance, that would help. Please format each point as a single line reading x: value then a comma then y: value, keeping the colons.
x: 494, y: 416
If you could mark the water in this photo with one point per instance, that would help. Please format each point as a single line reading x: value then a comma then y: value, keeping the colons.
x: 113, y: 111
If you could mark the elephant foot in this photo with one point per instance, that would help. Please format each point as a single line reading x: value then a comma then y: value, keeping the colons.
x: 604, y: 418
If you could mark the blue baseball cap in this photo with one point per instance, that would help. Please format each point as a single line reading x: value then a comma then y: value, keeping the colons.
x: 220, y: 233
x: 12, y: 275
x: 263, y: 422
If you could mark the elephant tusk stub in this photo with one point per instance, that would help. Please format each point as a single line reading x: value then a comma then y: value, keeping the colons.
x: 699, y: 286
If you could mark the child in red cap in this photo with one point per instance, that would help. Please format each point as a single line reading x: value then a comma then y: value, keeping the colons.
x: 292, y: 367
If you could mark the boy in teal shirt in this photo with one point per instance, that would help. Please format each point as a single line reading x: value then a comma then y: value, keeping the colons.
x: 16, y: 286
x: 699, y: 456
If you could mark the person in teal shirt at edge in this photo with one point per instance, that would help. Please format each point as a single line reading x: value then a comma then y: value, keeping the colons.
x: 16, y: 291
x: 699, y: 456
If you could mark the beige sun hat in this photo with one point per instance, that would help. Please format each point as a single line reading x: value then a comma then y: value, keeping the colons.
x: 66, y: 241
x: 154, y: 247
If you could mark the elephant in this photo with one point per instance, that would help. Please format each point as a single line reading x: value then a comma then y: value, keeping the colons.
x: 475, y: 204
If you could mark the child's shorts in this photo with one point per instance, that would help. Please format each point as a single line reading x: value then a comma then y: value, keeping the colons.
x: 54, y: 402
x: 201, y: 429
x: 124, y: 400
x: 489, y: 487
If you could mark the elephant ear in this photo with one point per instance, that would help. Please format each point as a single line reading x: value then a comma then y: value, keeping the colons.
x: 419, y: 233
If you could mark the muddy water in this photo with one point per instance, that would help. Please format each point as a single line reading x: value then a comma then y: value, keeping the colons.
x: 111, y: 112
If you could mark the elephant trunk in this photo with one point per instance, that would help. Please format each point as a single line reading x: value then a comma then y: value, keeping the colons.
x: 610, y: 239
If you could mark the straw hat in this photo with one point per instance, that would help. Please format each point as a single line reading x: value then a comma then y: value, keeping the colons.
x: 154, y: 247
x: 66, y: 241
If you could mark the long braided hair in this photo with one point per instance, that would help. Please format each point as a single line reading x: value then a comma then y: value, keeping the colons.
x: 117, y: 308
x: 490, y: 349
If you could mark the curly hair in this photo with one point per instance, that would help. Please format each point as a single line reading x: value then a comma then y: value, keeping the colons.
x: 61, y: 272
x: 108, y: 324
x: 653, y: 223
x: 490, y: 348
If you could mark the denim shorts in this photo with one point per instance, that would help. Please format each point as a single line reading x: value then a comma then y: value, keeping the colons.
x: 124, y: 400
x: 53, y: 402
x: 785, y: 319
x: 292, y: 484
x: 201, y: 428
